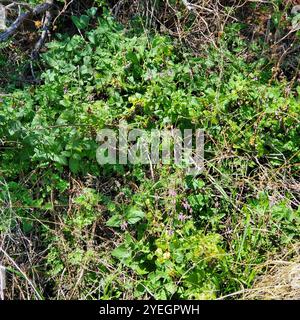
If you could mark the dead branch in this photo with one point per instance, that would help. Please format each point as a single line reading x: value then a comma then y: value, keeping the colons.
x: 39, y: 9
x: 45, y: 30
x: 11, y: 4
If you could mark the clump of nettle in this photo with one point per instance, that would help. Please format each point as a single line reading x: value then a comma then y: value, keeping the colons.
x: 131, y: 231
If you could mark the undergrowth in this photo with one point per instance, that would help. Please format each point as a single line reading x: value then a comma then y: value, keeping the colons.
x: 84, y: 231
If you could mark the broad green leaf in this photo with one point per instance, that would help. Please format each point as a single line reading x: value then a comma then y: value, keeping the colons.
x: 27, y: 225
x: 134, y: 215
x: 74, y: 165
x: 121, y: 253
x: 92, y: 11
x: 82, y: 22
x: 114, y: 222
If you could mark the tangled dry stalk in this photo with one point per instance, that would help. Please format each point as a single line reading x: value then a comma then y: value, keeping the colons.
x: 280, y: 279
x: 192, y: 22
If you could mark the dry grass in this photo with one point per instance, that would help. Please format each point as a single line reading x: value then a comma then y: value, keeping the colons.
x: 280, y: 279
x: 194, y: 23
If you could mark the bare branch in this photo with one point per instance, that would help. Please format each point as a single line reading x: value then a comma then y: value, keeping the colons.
x: 18, y: 4
x: 9, y: 4
x: 41, y: 41
x: 22, y: 17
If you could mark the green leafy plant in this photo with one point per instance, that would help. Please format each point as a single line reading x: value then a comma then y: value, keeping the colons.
x: 127, y: 232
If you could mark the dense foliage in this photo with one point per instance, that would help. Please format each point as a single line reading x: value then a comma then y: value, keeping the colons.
x: 118, y: 231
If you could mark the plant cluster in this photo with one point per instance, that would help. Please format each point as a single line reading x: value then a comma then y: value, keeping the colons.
x: 114, y: 231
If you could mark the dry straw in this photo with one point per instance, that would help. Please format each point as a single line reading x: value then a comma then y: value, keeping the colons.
x: 280, y: 279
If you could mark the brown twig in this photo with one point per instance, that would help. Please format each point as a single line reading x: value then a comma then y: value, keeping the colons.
x: 46, y: 26
x: 22, y: 17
